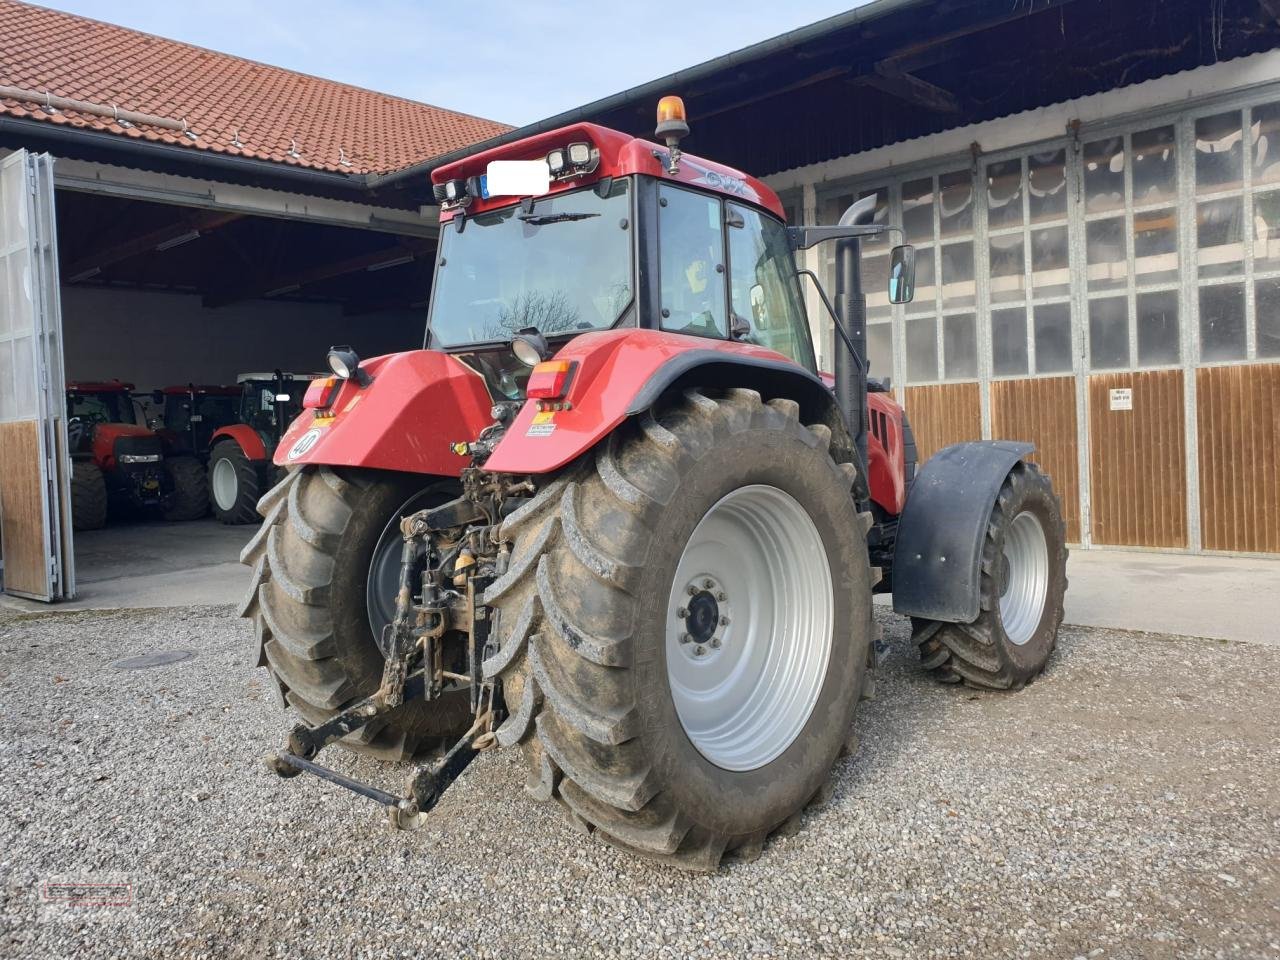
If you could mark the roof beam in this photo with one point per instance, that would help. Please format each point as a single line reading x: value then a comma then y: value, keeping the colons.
x: 932, y: 49
x: 288, y: 282
x: 182, y: 230
x: 910, y: 88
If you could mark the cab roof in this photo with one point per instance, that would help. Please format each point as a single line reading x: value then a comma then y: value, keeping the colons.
x: 621, y: 155
x: 98, y: 386
x: 216, y: 389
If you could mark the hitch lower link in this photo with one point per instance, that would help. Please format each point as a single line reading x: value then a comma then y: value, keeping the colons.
x: 412, y: 640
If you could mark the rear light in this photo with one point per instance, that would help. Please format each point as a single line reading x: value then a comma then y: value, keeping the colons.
x: 550, y: 379
x: 320, y: 393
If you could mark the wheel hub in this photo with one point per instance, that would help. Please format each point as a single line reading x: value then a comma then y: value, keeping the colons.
x: 705, y: 616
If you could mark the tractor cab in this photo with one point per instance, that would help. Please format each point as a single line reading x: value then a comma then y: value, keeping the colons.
x: 193, y: 412
x: 610, y: 232
x: 268, y: 401
x: 94, y: 404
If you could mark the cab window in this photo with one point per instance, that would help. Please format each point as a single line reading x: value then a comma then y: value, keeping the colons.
x: 765, y: 292
x: 691, y: 263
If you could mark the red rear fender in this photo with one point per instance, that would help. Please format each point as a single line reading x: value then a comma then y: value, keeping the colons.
x: 419, y: 403
x: 245, y: 436
x: 621, y: 373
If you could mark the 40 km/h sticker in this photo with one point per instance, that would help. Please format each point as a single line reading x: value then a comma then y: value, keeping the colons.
x: 304, y: 443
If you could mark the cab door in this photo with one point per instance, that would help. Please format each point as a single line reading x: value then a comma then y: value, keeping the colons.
x: 35, y: 521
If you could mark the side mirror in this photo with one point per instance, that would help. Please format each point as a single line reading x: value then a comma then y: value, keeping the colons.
x: 902, y: 273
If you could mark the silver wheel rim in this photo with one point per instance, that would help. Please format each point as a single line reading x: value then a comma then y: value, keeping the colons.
x: 226, y: 485
x: 1026, y: 578
x: 749, y: 625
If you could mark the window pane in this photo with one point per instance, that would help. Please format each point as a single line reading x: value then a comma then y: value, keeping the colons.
x: 960, y: 346
x: 955, y: 194
x: 1266, y: 230
x: 1267, y: 305
x: 1004, y: 194
x: 1266, y: 143
x: 1050, y: 273
x: 763, y: 287
x: 1053, y: 337
x: 922, y: 350
x: 1047, y: 176
x: 1158, y: 329
x: 1219, y: 232
x: 1155, y: 246
x: 1219, y: 153
x: 1009, y: 342
x: 1106, y: 252
x: 1008, y: 281
x: 879, y: 349
x: 1104, y: 174
x: 917, y: 210
x: 692, y: 247
x: 1222, y: 322
x: 1154, y: 167
x: 1108, y: 333
x: 957, y: 275
x: 875, y: 283
x: 926, y: 283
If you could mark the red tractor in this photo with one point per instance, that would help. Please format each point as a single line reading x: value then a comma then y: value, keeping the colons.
x: 116, y: 462
x: 614, y: 515
x: 240, y: 451
x: 192, y: 414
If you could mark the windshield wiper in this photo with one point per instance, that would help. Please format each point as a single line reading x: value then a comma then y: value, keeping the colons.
x: 539, y: 220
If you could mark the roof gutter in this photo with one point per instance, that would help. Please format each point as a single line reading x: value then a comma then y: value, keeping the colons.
x: 149, y: 150
x: 655, y: 88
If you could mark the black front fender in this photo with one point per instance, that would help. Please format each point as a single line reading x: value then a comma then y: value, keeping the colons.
x: 937, y: 559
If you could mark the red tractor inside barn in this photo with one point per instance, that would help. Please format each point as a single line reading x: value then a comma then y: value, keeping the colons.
x: 240, y: 451
x: 614, y: 515
x: 120, y: 466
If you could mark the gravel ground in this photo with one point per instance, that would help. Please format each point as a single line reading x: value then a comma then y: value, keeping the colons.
x: 1125, y: 805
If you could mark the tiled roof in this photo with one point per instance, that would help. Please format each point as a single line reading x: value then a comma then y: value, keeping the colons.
x: 272, y: 110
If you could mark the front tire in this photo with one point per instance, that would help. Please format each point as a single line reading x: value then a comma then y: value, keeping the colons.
x: 190, y: 500
x: 1022, y: 584
x: 235, y: 484
x: 601, y: 690
x: 312, y: 561
x: 88, y: 496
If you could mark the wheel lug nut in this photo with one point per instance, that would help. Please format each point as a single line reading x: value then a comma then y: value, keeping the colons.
x: 692, y: 589
x: 684, y: 638
x: 722, y: 596
x: 715, y: 642
x: 682, y: 613
x: 708, y: 584
x: 724, y: 621
x: 699, y: 651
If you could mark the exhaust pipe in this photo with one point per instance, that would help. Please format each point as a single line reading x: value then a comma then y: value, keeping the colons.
x: 851, y: 310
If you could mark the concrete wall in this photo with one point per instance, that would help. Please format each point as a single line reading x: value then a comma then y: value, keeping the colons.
x: 158, y: 339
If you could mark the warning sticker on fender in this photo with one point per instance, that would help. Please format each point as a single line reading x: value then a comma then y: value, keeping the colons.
x: 540, y: 430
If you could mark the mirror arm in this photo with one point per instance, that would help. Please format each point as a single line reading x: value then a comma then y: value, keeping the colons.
x: 826, y: 302
x: 802, y: 238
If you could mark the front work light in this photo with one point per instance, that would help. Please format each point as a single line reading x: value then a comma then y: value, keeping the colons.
x: 555, y: 162
x: 530, y: 347
x: 579, y: 154
x: 346, y: 365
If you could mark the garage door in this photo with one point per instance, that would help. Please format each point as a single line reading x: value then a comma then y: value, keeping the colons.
x: 34, y: 495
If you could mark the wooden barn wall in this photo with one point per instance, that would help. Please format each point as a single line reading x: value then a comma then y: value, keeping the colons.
x: 943, y: 414
x: 1238, y: 433
x: 1043, y: 412
x: 1137, y: 469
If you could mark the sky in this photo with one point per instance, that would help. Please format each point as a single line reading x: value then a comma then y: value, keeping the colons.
x: 506, y: 60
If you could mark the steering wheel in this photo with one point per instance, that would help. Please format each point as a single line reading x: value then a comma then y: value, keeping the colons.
x: 75, y: 432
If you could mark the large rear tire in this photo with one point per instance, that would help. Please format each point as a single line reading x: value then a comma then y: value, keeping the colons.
x: 88, y: 496
x: 321, y: 540
x: 679, y: 720
x: 1022, y: 584
x: 235, y: 484
x: 190, y: 499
